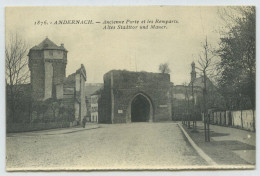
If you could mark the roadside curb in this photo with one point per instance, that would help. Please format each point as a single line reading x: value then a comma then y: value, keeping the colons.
x: 202, y: 154
x: 53, y: 132
x: 83, y: 129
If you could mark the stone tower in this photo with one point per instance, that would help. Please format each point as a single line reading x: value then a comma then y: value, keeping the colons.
x: 193, y: 72
x: 47, y: 64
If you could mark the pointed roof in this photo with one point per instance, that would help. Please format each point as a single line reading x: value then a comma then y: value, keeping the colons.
x: 48, y: 44
x: 91, y: 88
x: 199, y: 82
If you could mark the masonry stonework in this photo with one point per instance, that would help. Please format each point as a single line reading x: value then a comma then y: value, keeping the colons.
x: 55, y: 94
x: 36, y: 66
x: 47, y: 63
x: 121, y: 88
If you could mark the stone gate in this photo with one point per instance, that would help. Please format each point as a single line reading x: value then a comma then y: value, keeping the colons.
x: 135, y: 97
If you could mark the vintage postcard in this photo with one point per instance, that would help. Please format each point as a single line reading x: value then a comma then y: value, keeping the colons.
x: 130, y: 88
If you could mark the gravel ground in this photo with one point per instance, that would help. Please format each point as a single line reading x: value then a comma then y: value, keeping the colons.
x: 113, y: 146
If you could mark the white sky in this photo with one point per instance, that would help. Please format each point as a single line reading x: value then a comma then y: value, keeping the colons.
x: 102, y: 50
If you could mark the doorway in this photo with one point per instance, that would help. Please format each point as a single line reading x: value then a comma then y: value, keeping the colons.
x: 140, y: 109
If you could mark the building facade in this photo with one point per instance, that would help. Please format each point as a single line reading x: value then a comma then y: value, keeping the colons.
x: 94, y: 108
x: 74, y: 93
x: 91, y: 89
x: 135, y: 97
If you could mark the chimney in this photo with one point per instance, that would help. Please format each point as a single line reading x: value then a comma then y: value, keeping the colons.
x: 62, y: 44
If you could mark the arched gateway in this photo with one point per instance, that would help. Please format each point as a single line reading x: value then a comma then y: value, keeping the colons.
x: 140, y: 109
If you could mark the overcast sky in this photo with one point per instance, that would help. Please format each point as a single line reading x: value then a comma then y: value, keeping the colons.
x: 103, y: 50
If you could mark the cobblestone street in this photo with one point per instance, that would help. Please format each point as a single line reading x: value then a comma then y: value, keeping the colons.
x: 113, y: 146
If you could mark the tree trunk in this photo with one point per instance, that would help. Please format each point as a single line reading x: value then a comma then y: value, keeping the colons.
x: 205, y: 130
x: 208, y: 128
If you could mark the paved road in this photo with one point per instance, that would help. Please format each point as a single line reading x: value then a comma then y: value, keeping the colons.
x: 117, y: 146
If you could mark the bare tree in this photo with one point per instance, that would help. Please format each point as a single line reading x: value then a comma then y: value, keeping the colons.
x: 16, y: 70
x: 194, y: 124
x: 164, y: 68
x: 205, y: 66
x: 187, y: 102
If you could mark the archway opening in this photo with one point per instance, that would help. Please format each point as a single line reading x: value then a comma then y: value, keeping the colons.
x: 140, y: 109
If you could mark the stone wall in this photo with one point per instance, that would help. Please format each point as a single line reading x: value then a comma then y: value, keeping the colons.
x: 248, y: 119
x: 244, y: 119
x: 104, y: 102
x: 59, y: 71
x: 59, y: 91
x: 23, y: 127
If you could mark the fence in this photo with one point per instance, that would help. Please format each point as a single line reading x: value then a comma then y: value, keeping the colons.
x: 23, y: 127
x: 244, y: 119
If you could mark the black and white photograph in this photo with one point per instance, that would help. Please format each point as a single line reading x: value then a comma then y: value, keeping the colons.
x: 130, y: 88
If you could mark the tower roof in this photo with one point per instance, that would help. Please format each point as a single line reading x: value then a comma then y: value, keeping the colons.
x: 48, y: 44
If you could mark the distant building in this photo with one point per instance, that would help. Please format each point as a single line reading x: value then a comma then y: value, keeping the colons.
x: 91, y: 88
x: 95, y: 97
x: 94, y: 108
x: 179, y: 101
x: 183, y: 95
x: 135, y: 97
